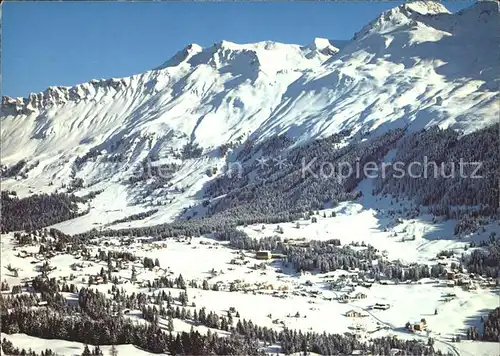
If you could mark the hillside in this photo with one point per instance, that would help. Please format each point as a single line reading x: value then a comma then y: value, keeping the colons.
x: 427, y: 67
x: 220, y: 203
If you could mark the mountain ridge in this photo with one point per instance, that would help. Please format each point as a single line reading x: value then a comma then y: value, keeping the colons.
x: 415, y: 8
x: 420, y: 74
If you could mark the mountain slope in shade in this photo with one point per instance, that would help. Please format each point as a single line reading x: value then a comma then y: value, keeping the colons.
x: 414, y: 66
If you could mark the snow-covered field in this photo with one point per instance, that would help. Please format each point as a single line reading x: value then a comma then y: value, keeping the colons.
x: 307, y: 294
x: 69, y: 348
x: 371, y: 219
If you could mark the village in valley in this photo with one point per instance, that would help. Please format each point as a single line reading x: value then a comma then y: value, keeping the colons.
x: 219, y: 277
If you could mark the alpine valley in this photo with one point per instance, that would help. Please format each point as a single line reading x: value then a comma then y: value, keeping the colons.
x: 205, y: 206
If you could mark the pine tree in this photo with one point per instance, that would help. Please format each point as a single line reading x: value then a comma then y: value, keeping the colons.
x: 113, y: 351
x: 97, y: 351
x: 170, y: 324
x: 133, y: 278
x: 86, y: 351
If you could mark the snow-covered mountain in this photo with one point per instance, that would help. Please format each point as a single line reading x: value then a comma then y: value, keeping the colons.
x: 414, y: 66
x: 146, y: 209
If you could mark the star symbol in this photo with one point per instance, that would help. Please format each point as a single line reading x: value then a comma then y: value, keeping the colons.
x: 263, y: 180
x: 262, y: 162
x: 280, y: 162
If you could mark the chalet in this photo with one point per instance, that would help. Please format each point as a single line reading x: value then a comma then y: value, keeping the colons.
x: 471, y: 286
x: 24, y: 254
x: 380, y: 306
x: 353, y: 314
x: 420, y: 326
x: 343, y: 298
x: 360, y: 296
x: 263, y: 255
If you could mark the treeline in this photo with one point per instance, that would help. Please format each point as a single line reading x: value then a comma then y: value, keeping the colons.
x: 317, y: 256
x: 50, y: 325
x: 327, y: 256
x: 21, y: 168
x: 191, y: 150
x: 9, y: 349
x: 98, y: 320
x: 240, y: 240
x: 306, y: 180
x: 190, y: 228
x: 291, y: 341
x: 46, y: 323
x: 13, y: 170
x: 50, y: 240
x: 484, y: 260
x: 445, y: 186
x: 492, y: 326
x: 472, y: 221
x: 287, y: 194
x: 134, y: 217
x: 36, y: 211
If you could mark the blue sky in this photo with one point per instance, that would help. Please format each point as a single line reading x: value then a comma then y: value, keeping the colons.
x: 57, y: 43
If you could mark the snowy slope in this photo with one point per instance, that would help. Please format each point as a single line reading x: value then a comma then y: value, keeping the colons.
x: 69, y: 348
x: 415, y: 65
x: 410, y: 66
x: 210, y: 94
